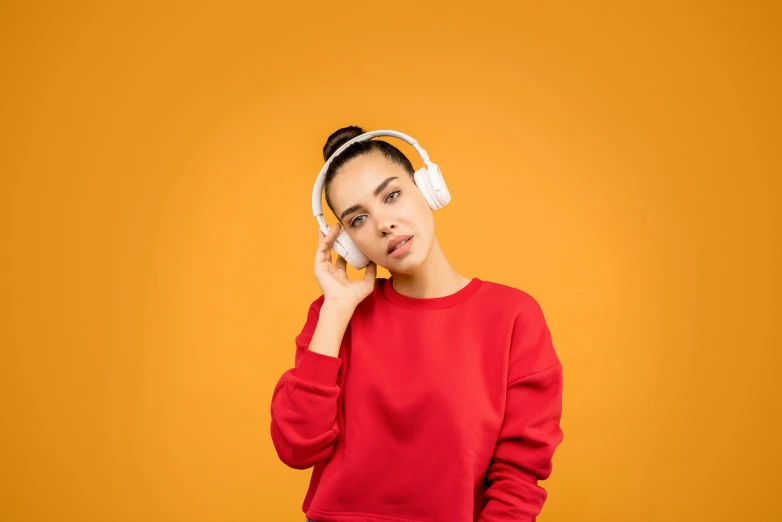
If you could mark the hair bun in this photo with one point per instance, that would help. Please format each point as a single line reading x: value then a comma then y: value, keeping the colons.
x: 339, y: 138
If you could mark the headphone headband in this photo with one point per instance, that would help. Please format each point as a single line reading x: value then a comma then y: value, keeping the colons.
x: 317, y: 191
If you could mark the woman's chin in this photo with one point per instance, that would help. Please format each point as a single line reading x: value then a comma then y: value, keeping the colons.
x: 406, y: 266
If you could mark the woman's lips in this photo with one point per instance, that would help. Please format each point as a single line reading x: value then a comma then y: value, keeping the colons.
x: 404, y: 248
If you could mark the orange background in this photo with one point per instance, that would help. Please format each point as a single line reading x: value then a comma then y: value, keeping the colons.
x: 619, y: 162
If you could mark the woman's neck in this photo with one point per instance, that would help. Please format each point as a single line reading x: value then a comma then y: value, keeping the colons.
x: 434, y: 278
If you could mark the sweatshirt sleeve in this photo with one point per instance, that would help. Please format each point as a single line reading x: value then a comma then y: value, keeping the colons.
x: 304, y: 404
x: 530, y: 431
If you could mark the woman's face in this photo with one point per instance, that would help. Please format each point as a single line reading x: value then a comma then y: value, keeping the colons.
x: 374, y: 211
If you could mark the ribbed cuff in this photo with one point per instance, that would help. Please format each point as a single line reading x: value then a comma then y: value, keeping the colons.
x: 318, y: 368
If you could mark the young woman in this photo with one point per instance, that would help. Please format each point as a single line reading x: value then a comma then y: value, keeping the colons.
x: 426, y: 396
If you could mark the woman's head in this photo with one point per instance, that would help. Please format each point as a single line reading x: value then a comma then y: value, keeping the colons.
x: 372, y: 217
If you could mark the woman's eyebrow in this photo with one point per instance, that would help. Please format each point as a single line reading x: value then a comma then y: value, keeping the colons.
x: 377, y: 191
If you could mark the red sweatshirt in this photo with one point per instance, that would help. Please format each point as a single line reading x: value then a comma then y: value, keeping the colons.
x: 436, y: 409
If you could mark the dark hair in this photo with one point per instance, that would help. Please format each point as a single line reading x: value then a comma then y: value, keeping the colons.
x: 361, y: 148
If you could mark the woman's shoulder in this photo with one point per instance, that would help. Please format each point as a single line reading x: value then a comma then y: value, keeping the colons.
x: 492, y: 290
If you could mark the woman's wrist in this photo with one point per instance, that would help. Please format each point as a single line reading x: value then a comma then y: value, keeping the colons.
x: 337, y: 309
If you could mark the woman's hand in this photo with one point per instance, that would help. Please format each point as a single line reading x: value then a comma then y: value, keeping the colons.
x: 333, y: 279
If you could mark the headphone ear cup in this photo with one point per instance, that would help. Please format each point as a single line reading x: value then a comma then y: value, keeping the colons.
x: 423, y: 179
x: 422, y: 182
x: 345, y: 247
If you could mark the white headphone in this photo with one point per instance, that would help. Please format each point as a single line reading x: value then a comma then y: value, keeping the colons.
x: 428, y: 179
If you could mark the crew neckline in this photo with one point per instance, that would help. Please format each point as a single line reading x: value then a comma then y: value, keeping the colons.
x: 445, y: 301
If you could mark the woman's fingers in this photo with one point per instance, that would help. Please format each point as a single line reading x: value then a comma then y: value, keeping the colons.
x: 371, y: 271
x: 323, y: 253
x: 326, y: 243
x: 341, y: 263
x: 331, y: 236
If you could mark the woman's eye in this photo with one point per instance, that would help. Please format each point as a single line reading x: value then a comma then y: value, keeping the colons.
x: 356, y: 220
